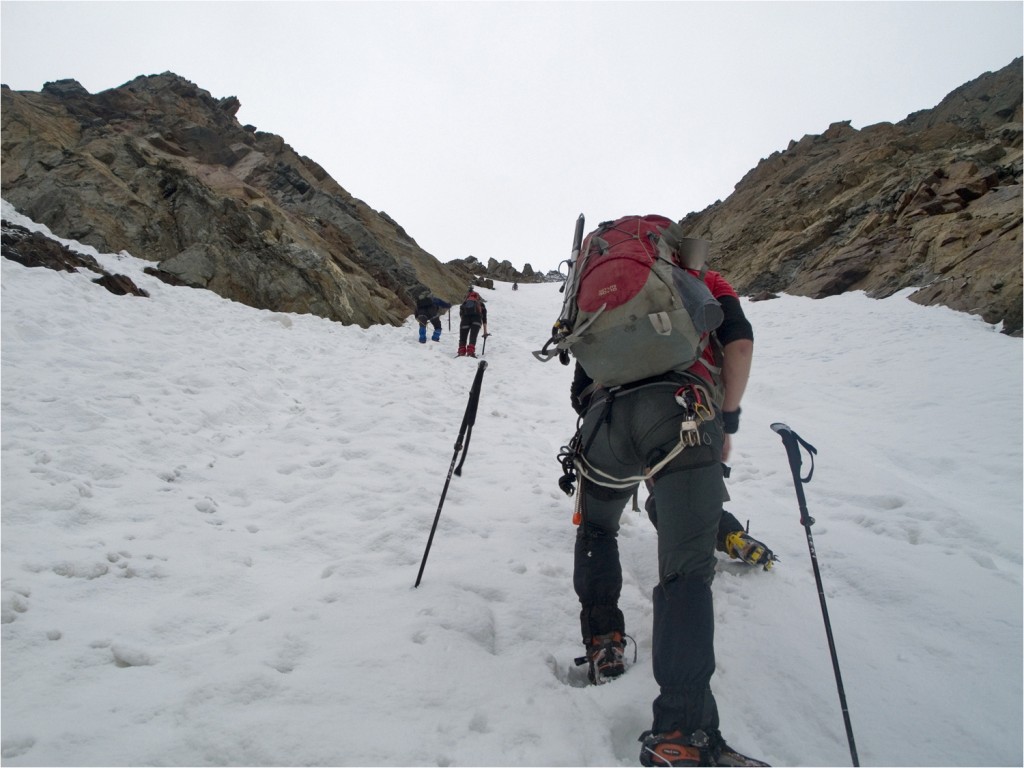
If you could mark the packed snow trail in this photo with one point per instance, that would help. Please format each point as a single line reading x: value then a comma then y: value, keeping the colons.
x: 213, y: 517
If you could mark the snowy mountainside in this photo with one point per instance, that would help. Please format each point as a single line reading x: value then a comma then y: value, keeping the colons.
x: 213, y: 517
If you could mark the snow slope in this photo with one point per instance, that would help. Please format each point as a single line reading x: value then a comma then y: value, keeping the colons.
x: 213, y: 517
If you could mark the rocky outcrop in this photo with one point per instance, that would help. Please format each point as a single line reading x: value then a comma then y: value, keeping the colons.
x: 474, y: 272
x: 160, y: 168
x: 932, y: 202
x: 33, y: 249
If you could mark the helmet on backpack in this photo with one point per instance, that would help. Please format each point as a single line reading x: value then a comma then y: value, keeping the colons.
x: 688, y: 252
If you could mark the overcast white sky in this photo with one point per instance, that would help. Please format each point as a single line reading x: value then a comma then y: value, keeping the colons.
x: 485, y: 128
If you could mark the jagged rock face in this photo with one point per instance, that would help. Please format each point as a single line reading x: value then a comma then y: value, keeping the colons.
x: 932, y: 202
x: 161, y: 169
x: 473, y: 272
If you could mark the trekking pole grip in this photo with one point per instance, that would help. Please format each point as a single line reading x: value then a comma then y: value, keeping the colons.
x: 470, y: 418
x: 792, y: 442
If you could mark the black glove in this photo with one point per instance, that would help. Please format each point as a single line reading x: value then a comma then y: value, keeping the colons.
x: 731, y: 421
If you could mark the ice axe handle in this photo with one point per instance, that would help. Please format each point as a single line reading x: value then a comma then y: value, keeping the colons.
x: 577, y: 244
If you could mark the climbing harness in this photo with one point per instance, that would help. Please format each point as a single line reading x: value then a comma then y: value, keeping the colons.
x: 693, y: 398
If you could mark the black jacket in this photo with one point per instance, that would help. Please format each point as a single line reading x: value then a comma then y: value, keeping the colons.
x: 429, y: 307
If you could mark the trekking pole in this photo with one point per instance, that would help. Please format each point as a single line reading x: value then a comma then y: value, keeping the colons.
x: 465, y: 430
x: 792, y: 441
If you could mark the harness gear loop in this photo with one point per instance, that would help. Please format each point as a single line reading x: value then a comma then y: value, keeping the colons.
x: 696, y: 403
x: 696, y: 400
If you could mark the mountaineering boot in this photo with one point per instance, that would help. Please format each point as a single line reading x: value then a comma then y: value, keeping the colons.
x: 740, y: 545
x: 723, y: 754
x: 672, y: 749
x: 606, y: 656
x: 462, y: 351
x: 423, y: 335
x: 471, y: 350
x: 436, y: 335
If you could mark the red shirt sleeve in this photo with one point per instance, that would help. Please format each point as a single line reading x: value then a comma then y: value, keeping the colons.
x: 718, y: 285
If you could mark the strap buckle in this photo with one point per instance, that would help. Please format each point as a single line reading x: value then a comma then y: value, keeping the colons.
x: 689, y: 434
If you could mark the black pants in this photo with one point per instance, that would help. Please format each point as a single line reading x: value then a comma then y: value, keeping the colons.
x: 623, y: 436
x: 434, y: 321
x: 726, y: 525
x: 470, y: 329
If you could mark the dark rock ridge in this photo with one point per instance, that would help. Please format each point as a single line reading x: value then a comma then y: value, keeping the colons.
x: 472, y: 270
x: 161, y: 169
x: 932, y: 202
x: 34, y: 249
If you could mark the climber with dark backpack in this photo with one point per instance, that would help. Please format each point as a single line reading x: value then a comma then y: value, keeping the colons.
x: 473, y: 314
x: 428, y: 308
x: 663, y: 352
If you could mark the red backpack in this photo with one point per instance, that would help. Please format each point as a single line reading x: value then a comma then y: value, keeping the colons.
x: 632, y: 309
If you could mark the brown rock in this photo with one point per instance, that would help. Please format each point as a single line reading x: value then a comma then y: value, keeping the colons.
x: 160, y: 168
x: 933, y: 202
x: 33, y: 249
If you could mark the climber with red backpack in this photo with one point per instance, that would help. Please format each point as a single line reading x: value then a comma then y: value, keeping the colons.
x: 665, y: 350
x: 733, y: 538
x: 473, y: 314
